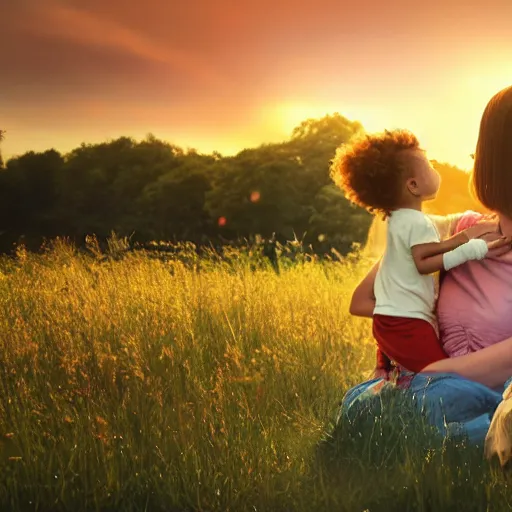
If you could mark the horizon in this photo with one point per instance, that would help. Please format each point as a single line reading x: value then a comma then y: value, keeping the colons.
x: 138, y: 140
x: 222, y: 77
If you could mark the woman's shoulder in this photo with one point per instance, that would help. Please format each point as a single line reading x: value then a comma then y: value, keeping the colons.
x: 449, y: 225
x: 466, y: 220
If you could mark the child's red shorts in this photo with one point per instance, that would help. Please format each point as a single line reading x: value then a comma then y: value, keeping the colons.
x: 410, y: 342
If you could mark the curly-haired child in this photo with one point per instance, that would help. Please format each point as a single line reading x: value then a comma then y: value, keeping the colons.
x: 389, y: 174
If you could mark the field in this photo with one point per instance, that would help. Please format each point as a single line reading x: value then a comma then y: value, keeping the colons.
x: 139, y: 384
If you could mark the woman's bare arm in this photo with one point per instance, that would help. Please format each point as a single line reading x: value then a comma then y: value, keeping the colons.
x: 491, y: 366
x: 363, y: 298
x: 363, y: 304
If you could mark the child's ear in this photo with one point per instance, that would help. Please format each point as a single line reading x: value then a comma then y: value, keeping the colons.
x: 412, y: 186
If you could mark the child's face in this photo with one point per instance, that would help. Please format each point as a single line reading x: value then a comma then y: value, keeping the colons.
x: 425, y: 180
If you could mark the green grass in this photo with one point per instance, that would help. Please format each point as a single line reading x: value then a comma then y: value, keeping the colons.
x: 141, y: 384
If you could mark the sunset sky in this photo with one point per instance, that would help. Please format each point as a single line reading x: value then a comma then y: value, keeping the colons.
x: 228, y: 74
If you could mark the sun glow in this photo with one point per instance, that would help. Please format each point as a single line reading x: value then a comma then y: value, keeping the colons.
x: 284, y: 117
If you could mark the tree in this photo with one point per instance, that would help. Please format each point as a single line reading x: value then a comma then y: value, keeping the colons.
x: 30, y: 188
x: 159, y: 191
x: 335, y: 222
x: 172, y: 207
x: 102, y: 183
x: 314, y: 143
x: 257, y: 192
x: 2, y: 136
x: 454, y: 194
x: 272, y: 188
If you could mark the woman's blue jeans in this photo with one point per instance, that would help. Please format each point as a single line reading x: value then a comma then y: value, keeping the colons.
x: 454, y: 405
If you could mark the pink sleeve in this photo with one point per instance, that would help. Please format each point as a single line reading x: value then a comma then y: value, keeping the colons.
x: 468, y: 219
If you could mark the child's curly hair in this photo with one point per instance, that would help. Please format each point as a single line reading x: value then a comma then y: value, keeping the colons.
x: 370, y: 170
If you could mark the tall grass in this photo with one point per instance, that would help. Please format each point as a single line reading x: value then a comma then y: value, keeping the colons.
x: 140, y: 384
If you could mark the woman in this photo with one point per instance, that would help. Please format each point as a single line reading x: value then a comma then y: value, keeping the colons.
x: 474, y: 307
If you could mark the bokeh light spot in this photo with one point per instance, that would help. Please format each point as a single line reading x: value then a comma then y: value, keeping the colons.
x: 255, y: 196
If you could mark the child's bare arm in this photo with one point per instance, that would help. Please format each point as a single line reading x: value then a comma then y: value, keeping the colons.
x: 454, y: 257
x: 429, y: 257
x: 363, y: 298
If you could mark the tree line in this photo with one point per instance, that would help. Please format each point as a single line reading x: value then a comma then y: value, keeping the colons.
x: 154, y: 190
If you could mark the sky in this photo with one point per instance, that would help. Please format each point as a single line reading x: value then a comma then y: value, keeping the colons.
x: 228, y: 74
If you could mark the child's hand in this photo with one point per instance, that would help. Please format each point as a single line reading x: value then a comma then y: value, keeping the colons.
x: 498, y: 246
x: 484, y: 227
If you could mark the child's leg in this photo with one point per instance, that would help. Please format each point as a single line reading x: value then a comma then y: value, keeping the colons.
x: 490, y: 366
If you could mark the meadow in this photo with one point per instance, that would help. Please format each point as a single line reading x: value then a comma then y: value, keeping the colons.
x: 139, y: 383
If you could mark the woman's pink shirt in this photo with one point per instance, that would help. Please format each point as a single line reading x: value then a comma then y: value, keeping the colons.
x: 475, y: 301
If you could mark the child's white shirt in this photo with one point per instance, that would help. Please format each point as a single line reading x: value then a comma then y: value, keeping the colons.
x: 400, y: 290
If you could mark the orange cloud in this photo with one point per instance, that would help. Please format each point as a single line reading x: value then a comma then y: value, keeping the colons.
x: 80, y: 26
